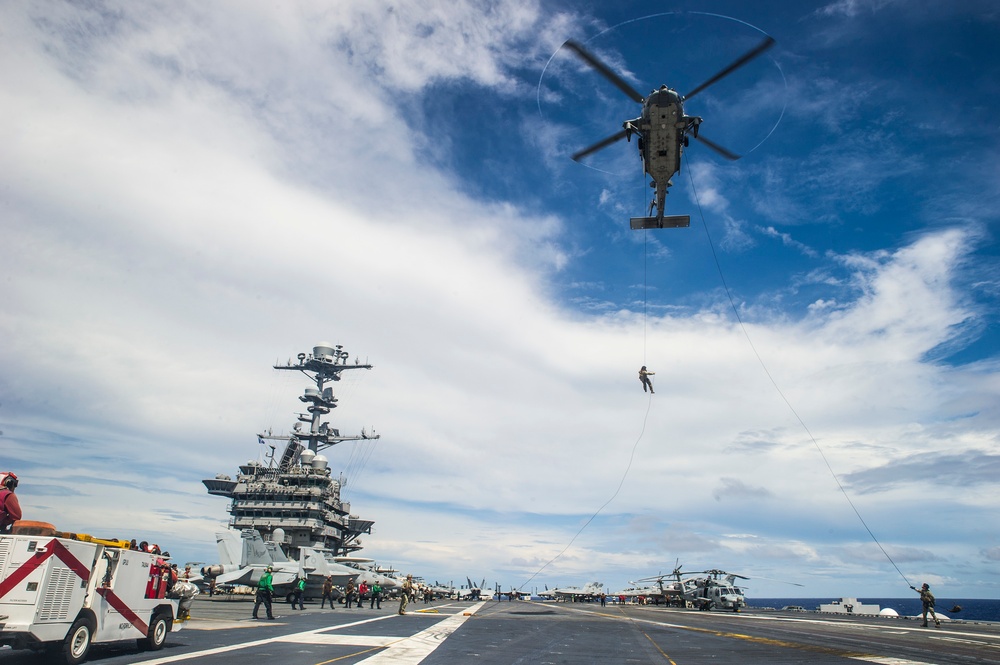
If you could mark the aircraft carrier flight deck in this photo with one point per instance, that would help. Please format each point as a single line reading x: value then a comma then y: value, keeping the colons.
x: 222, y: 631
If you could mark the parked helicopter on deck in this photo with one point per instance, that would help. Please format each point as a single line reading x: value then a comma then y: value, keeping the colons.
x: 717, y: 589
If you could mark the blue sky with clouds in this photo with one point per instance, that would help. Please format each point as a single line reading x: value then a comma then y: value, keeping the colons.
x: 191, y: 192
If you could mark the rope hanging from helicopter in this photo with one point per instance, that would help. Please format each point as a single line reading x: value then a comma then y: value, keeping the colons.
x: 777, y: 389
x: 621, y: 484
x: 645, y: 418
x: 645, y: 274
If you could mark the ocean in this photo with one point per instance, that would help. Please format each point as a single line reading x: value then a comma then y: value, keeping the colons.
x: 973, y: 609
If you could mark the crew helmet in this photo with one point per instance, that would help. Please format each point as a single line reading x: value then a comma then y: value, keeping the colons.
x: 8, y: 480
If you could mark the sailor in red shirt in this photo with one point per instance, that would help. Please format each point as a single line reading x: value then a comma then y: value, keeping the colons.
x: 10, y: 509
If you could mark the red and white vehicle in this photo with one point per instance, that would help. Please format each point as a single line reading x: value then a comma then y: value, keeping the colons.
x: 61, y: 595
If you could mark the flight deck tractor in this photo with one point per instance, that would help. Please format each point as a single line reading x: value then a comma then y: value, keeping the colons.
x: 62, y: 592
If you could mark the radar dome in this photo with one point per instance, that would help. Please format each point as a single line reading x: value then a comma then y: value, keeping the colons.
x: 306, y: 457
x: 888, y: 612
x: 278, y: 535
x: 319, y: 462
x: 323, y: 350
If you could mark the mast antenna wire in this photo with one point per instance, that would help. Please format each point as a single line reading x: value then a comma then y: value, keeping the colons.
x: 777, y: 389
x: 594, y: 516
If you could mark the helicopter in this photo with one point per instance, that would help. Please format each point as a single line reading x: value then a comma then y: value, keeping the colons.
x: 716, y: 589
x: 663, y: 131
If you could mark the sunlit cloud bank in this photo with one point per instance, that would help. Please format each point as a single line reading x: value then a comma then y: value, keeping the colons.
x: 188, y: 198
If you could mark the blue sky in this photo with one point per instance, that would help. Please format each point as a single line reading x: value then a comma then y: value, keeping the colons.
x: 189, y: 193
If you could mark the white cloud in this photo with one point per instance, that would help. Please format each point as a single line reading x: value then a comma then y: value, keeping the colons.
x: 187, y: 199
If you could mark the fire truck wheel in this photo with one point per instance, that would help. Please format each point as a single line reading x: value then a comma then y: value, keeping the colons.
x: 157, y: 635
x: 77, y: 642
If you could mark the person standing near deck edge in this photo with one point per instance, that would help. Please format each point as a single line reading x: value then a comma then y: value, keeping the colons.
x: 927, y: 598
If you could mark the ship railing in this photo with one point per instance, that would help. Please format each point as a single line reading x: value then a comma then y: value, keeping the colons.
x: 264, y: 504
x: 250, y: 521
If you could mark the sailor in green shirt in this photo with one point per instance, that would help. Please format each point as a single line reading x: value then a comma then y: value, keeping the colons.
x: 264, y: 591
x: 298, y: 591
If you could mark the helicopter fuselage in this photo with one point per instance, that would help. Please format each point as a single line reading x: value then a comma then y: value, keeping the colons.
x: 662, y: 130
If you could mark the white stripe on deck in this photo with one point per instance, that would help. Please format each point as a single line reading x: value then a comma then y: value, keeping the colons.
x: 341, y: 640
x: 415, y: 648
x: 400, y: 650
x: 888, y: 660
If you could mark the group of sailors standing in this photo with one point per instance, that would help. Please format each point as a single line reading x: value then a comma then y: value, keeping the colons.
x: 352, y: 594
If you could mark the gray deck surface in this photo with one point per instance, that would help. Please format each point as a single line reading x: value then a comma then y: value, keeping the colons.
x: 548, y: 632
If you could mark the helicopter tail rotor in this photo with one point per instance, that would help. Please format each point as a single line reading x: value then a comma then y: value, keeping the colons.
x: 736, y: 64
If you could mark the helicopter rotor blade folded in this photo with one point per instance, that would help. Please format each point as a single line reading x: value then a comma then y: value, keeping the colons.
x: 739, y: 62
x: 592, y: 60
x: 718, y: 148
x: 600, y: 145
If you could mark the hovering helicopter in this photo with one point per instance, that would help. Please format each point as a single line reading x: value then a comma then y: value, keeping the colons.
x: 663, y: 130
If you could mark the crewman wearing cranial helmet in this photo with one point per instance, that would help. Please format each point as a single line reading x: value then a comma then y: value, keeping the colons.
x: 10, y: 509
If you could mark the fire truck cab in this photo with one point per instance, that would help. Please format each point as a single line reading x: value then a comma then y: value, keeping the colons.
x: 61, y: 594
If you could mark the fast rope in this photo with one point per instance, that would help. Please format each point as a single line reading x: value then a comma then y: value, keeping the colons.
x: 645, y: 278
x: 774, y: 383
x: 649, y: 405
x: 621, y: 483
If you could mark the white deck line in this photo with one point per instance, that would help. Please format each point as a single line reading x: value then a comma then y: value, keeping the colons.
x: 305, y: 636
x: 413, y: 649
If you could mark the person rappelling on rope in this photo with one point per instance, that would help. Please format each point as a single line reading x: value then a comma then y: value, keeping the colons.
x: 644, y: 379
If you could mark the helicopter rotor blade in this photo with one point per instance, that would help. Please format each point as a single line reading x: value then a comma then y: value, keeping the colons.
x: 732, y: 156
x: 758, y: 577
x: 739, y: 62
x: 592, y: 60
x: 600, y: 145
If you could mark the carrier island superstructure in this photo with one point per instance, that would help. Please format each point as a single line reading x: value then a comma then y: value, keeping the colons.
x: 294, y: 500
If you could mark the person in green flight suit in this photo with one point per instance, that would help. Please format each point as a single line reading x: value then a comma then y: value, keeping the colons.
x: 298, y: 591
x: 927, y: 598
x: 264, y: 591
